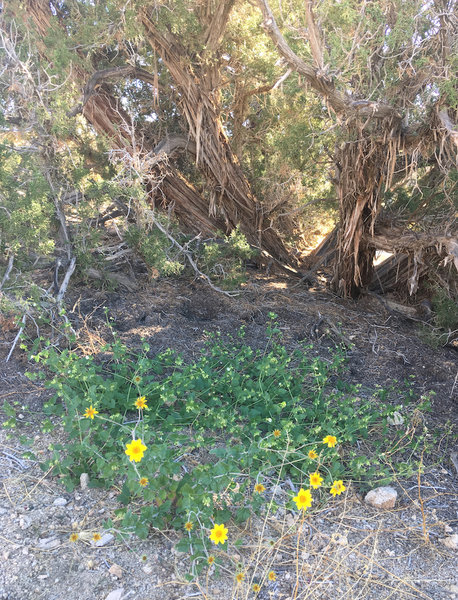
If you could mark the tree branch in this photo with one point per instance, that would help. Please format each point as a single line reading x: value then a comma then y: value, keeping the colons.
x: 112, y: 73
x: 323, y: 84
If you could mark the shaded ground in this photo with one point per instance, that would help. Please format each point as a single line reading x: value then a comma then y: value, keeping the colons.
x: 346, y: 549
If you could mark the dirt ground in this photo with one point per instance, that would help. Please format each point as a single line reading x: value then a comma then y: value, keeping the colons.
x: 346, y: 549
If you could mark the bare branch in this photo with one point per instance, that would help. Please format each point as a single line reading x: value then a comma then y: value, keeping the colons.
x: 8, y: 271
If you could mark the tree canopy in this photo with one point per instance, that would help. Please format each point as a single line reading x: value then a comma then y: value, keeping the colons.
x: 263, y: 117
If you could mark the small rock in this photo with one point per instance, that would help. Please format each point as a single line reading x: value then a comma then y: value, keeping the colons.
x: 115, y: 594
x: 84, y: 481
x: 448, y: 529
x: 396, y: 419
x: 115, y: 570
x: 48, y: 543
x: 60, y: 502
x: 453, y: 588
x: 43, y: 576
x: 148, y: 569
x: 382, y: 497
x: 451, y: 542
x: 104, y: 540
x: 6, y: 555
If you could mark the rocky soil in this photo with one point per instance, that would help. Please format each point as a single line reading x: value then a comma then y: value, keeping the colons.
x: 345, y: 549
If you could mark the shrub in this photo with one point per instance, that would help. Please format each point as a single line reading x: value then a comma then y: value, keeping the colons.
x: 217, y: 431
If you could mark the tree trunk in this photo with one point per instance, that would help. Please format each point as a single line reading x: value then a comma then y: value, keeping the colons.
x: 198, y: 91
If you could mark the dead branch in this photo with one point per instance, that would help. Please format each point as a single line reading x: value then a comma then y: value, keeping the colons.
x: 8, y: 271
x: 23, y: 320
x: 151, y: 218
x: 65, y: 282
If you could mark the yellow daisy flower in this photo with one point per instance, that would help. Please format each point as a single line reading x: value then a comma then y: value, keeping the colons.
x: 90, y: 412
x: 271, y: 576
x: 277, y: 433
x: 141, y: 402
x: 135, y: 450
x: 256, y: 587
x: 315, y: 480
x: 337, y: 488
x: 74, y: 537
x: 211, y: 559
x: 330, y: 440
x: 96, y: 537
x: 218, y: 534
x: 188, y: 525
x: 303, y: 499
x: 240, y: 577
x: 312, y: 454
x: 259, y: 488
x: 143, y: 481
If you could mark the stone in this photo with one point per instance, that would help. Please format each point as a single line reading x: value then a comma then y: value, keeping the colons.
x: 147, y: 569
x: 115, y: 570
x: 48, y: 543
x: 60, y: 502
x: 451, y: 542
x: 84, y: 481
x: 104, y: 540
x: 115, y: 594
x: 382, y: 497
x: 396, y: 419
x: 453, y: 588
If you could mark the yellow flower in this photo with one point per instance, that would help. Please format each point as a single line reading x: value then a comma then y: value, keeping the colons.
x: 303, y: 499
x: 90, y: 412
x: 277, y: 433
x: 188, y: 526
x: 141, y: 402
x: 271, y: 576
x: 240, y: 577
x: 211, y: 559
x: 259, y: 488
x: 218, y: 534
x: 135, y: 450
x: 74, y: 537
x: 256, y: 588
x: 96, y: 537
x: 315, y: 480
x: 313, y: 455
x: 143, y: 481
x: 337, y: 488
x: 330, y: 440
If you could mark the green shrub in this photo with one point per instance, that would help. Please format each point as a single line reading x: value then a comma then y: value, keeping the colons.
x: 214, y: 429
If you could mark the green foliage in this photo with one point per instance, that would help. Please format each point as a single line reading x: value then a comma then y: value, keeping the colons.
x: 215, y: 427
x: 446, y: 310
x: 25, y: 213
x: 155, y: 249
x: 224, y: 260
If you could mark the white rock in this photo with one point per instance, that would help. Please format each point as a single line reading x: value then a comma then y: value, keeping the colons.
x: 147, y: 569
x: 453, y: 588
x: 451, y: 542
x: 115, y: 570
x: 115, y: 594
x: 397, y: 419
x: 48, y: 543
x: 84, y: 481
x: 104, y: 540
x: 60, y: 502
x: 382, y: 497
